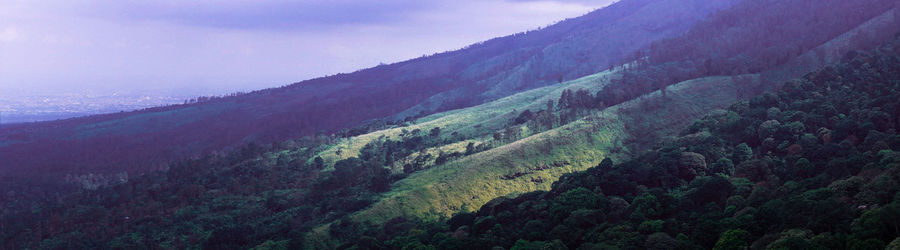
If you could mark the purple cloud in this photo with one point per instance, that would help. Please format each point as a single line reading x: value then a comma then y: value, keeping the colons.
x: 225, y: 46
x: 267, y: 15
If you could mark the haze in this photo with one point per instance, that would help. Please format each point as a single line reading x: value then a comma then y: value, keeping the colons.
x: 209, y: 47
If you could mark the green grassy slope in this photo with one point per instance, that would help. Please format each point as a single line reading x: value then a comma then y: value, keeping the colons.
x: 475, y: 124
x: 533, y: 163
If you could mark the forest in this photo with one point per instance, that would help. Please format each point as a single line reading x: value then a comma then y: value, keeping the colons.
x: 729, y: 44
x: 808, y: 163
x: 142, y: 141
x: 812, y: 166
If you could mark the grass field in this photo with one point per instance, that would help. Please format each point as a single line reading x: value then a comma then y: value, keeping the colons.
x: 475, y: 124
x: 537, y: 161
x: 533, y: 162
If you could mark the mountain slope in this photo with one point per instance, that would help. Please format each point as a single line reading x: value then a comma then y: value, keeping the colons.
x: 805, y: 179
x: 531, y: 163
x: 475, y: 124
x: 631, y: 126
x: 541, y: 159
x: 313, y: 191
x: 141, y: 141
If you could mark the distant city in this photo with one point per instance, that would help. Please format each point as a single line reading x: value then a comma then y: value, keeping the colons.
x: 46, y: 107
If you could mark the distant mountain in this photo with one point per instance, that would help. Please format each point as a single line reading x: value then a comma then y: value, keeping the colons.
x: 147, y: 140
x: 48, y: 107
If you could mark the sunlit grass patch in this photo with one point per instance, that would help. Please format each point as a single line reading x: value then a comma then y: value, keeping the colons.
x: 535, y: 162
x: 476, y: 123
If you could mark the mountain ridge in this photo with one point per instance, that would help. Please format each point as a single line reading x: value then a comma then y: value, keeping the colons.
x: 711, y: 86
x: 415, y: 183
x: 323, y: 105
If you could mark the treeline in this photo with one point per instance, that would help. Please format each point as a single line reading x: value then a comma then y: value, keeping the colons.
x: 254, y: 195
x: 200, y: 99
x: 815, y: 165
x: 142, y: 141
x: 236, y: 200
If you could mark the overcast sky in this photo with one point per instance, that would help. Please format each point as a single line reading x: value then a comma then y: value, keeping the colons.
x: 223, y: 46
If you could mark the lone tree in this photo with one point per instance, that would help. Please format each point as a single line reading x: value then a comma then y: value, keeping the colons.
x: 435, y: 131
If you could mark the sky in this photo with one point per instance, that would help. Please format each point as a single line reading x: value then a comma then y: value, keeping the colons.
x: 217, y: 47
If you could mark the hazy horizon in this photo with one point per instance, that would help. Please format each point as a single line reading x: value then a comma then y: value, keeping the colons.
x: 204, y: 47
x: 63, y: 59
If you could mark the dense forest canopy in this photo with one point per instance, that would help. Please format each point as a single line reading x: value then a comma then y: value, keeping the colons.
x: 812, y: 166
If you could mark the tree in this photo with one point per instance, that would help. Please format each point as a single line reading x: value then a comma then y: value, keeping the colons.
x: 319, y: 163
x: 894, y: 244
x: 379, y: 179
x: 646, y: 206
x: 436, y: 131
x: 581, y: 99
x: 724, y: 166
x: 803, y: 168
x: 565, y: 99
x: 879, y: 223
x: 512, y: 133
x: 660, y: 241
x: 735, y: 239
x: 606, y: 164
x: 577, y: 199
x: 524, y: 117
x: 231, y: 237
x: 742, y: 152
x: 539, y: 245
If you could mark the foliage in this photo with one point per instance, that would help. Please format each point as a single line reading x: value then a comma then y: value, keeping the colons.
x: 252, y: 197
x: 814, y: 165
x: 345, y: 104
x: 749, y: 37
x: 826, y: 194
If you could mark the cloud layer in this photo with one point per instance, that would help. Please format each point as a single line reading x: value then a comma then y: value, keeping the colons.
x: 218, y: 47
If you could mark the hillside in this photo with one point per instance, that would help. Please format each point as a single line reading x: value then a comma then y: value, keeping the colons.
x: 533, y: 162
x: 617, y: 132
x: 812, y: 166
x: 148, y: 140
x: 538, y: 160
x: 672, y: 149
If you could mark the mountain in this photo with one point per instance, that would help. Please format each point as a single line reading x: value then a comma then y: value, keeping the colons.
x: 147, y: 140
x: 708, y: 143
x: 627, y: 127
x: 820, y: 172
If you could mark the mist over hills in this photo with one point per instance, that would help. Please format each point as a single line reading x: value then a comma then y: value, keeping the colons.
x: 21, y: 108
x: 649, y: 124
x: 143, y: 140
